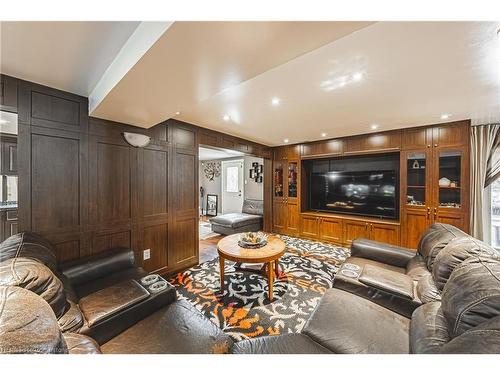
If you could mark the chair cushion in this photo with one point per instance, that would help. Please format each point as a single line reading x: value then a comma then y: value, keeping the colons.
x: 81, y: 344
x: 100, y: 305
x: 435, y: 239
x: 29, y: 245
x: 346, y: 323
x: 35, y: 276
x: 416, y: 268
x: 27, y: 324
x: 427, y: 290
x: 457, y: 250
x: 253, y: 207
x: 428, y: 329
x: 472, y: 294
x: 177, y: 328
x: 388, y: 281
x: 363, y: 261
x: 292, y: 343
x: 72, y: 320
x: 236, y: 220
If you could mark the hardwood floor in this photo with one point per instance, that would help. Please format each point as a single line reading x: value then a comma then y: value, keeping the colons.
x: 208, y: 248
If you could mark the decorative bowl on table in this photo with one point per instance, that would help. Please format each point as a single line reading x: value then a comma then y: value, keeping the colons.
x: 252, y: 239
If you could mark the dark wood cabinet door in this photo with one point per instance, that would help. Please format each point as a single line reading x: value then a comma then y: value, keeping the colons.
x: 8, y: 93
x: 386, y: 233
x: 332, y: 147
x: 330, y: 230
x: 355, y: 229
x: 279, y: 217
x: 417, y: 138
x: 415, y: 222
x: 292, y: 218
x: 378, y: 142
x: 184, y: 245
x: 309, y: 227
x: 8, y: 150
x: 453, y: 217
x: 454, y: 134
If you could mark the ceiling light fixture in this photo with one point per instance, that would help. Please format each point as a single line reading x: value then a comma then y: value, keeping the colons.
x: 286, y: 140
x: 177, y: 113
x: 445, y: 116
x: 357, y: 76
x: 375, y: 126
x: 323, y: 135
x: 136, y: 139
x: 226, y: 118
x: 275, y: 101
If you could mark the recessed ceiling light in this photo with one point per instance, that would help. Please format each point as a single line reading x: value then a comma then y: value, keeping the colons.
x: 226, y: 118
x: 286, y: 140
x: 275, y: 101
x: 445, y: 116
x: 323, y: 134
x: 177, y: 113
x: 375, y: 126
x: 357, y: 76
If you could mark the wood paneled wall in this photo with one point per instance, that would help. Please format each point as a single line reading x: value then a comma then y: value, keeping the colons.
x: 86, y: 190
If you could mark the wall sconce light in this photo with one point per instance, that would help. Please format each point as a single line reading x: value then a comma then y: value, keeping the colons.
x: 137, y: 140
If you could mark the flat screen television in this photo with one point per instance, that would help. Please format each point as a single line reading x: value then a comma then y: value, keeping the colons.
x: 366, y: 193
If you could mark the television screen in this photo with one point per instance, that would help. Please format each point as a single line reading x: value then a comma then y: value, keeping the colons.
x: 367, y: 193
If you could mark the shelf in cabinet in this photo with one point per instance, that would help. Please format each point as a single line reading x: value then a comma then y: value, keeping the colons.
x: 449, y: 187
x: 416, y: 186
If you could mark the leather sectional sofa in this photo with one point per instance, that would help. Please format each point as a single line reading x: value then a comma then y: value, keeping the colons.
x: 98, y: 304
x: 249, y: 220
x: 377, y: 308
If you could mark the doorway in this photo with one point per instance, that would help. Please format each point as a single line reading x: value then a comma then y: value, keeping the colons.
x: 232, y: 186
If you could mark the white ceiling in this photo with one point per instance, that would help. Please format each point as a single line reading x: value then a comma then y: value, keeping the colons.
x: 70, y: 56
x: 205, y: 153
x: 413, y: 72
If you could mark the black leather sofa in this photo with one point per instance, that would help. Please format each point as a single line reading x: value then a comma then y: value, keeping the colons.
x: 99, y: 300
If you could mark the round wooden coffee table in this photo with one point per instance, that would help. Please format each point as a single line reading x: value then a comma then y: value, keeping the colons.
x: 269, y: 254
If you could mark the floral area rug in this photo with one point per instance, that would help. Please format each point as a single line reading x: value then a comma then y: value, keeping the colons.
x: 244, y: 310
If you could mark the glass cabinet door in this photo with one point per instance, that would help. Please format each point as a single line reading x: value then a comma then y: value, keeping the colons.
x: 278, y: 179
x: 450, y: 178
x: 416, y: 163
x: 292, y: 179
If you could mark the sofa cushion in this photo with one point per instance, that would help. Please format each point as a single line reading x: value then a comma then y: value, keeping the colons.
x: 458, y: 250
x: 427, y: 290
x: 428, y: 329
x: 29, y: 245
x: 472, y: 294
x: 345, y: 323
x: 176, y: 328
x: 72, y: 319
x: 253, y: 207
x: 27, y: 324
x: 416, y: 268
x: 435, y: 239
x: 81, y: 344
x: 387, y: 281
x: 236, y: 220
x: 32, y: 275
x: 363, y: 261
x: 292, y: 343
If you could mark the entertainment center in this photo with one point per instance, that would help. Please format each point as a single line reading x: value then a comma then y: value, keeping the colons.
x: 387, y: 186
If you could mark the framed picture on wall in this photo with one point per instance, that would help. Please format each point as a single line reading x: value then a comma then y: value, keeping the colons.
x: 211, y: 204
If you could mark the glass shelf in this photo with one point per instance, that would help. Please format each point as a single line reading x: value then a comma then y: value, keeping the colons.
x: 278, y: 180
x: 415, y: 180
x: 292, y: 179
x: 450, y: 167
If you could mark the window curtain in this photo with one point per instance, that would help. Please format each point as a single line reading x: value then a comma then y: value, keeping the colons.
x: 485, y: 168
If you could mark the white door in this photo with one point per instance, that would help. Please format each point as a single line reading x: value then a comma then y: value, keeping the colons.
x: 232, y: 186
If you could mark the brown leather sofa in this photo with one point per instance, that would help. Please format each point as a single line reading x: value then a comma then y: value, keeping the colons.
x: 101, y: 299
x: 466, y: 320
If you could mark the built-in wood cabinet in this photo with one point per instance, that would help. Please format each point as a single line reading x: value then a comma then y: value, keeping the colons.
x: 329, y: 148
x: 8, y: 223
x: 8, y: 93
x: 8, y: 155
x: 371, y: 143
x: 343, y: 229
x: 434, y: 179
x: 286, y: 166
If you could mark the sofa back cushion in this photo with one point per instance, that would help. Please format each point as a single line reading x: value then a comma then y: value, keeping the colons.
x: 458, y: 250
x: 34, y: 276
x: 29, y: 245
x: 428, y: 329
x: 435, y: 239
x: 253, y: 207
x: 472, y: 294
x: 27, y: 324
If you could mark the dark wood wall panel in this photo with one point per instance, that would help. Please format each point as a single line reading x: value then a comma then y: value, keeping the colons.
x: 155, y: 182
x: 113, y: 183
x: 55, y: 169
x: 86, y: 190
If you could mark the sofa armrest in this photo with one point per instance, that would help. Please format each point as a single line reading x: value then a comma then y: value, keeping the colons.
x: 83, y: 270
x: 381, y: 252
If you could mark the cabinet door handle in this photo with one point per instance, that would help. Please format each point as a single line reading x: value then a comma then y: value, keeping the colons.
x: 428, y: 146
x: 435, y: 213
x: 371, y: 227
x: 428, y: 212
x: 435, y: 144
